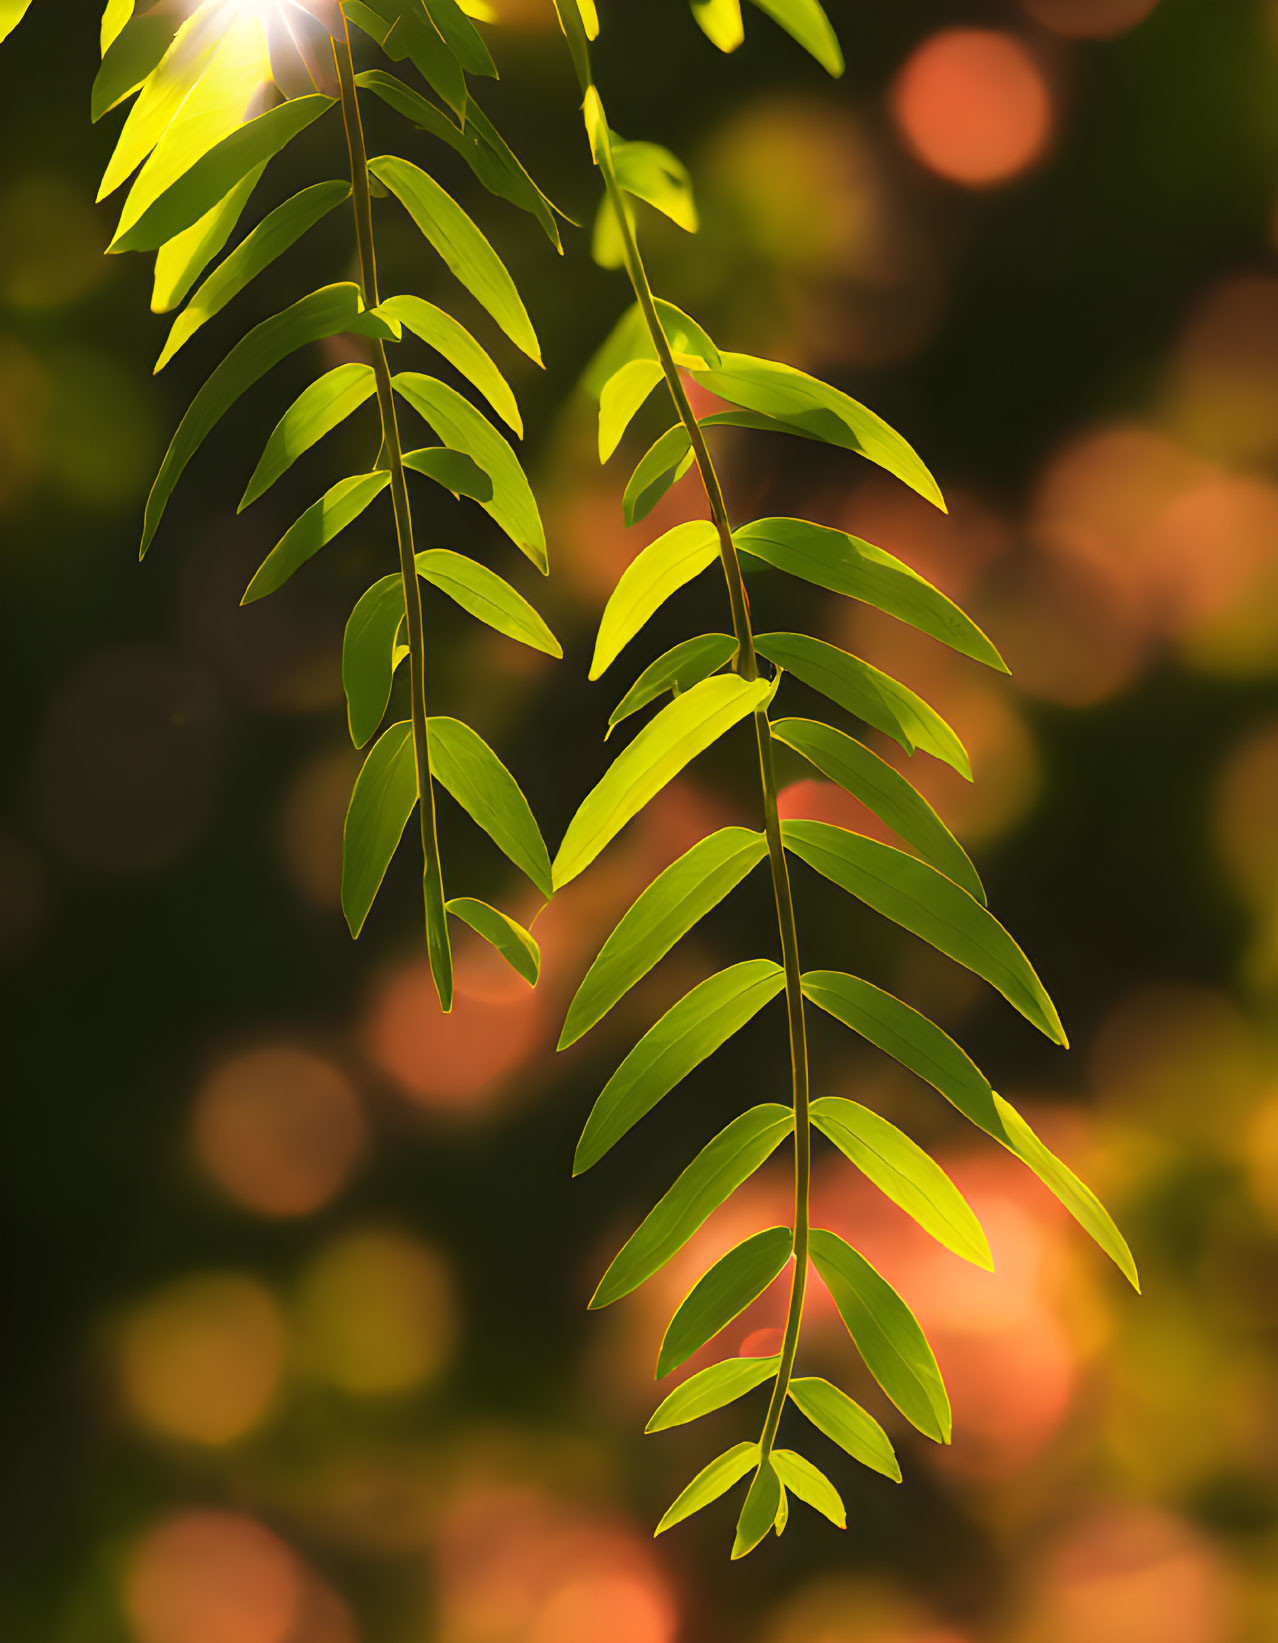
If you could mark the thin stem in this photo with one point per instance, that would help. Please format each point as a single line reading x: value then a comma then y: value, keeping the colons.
x: 432, y: 875
x: 747, y: 665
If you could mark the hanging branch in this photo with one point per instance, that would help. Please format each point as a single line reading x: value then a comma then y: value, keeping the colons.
x: 935, y: 893
x: 198, y: 151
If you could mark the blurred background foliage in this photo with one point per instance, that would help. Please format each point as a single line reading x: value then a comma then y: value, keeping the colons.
x: 296, y: 1332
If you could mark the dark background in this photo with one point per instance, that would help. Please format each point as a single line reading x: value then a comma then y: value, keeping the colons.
x: 296, y: 1330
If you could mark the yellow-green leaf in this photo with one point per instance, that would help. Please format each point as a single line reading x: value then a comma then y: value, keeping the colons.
x: 735, y: 1280
x: 339, y: 507
x: 317, y: 410
x: 501, y: 932
x: 651, y: 577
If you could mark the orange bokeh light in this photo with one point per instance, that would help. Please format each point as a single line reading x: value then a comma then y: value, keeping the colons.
x: 973, y: 106
x: 213, y: 1577
x: 278, y: 1129
x: 1089, y: 19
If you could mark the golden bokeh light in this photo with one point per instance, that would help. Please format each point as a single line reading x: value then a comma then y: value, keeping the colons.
x: 375, y: 1314
x: 279, y: 1129
x: 973, y: 106
x: 202, y: 1359
x: 213, y: 1577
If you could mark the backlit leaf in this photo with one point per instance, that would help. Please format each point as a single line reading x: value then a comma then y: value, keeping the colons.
x: 683, y: 729
x: 368, y: 655
x: 884, y: 791
x: 11, y: 14
x: 384, y: 798
x: 461, y: 36
x: 845, y: 564
x: 509, y: 938
x: 735, y: 1280
x: 810, y: 1484
x: 630, y: 339
x: 463, y: 763
x: 454, y: 342
x: 903, y: 1172
x: 764, y: 1507
x: 324, y: 313
x: 932, y: 907
x: 862, y: 690
x: 257, y: 251
x: 682, y: 1039
x: 720, y: 22
x: 673, y: 903
x: 711, y: 1482
x: 463, y: 428
x: 462, y: 246
x: 807, y: 23
x: 710, y: 1389
x: 623, y: 394
x: 128, y: 59
x: 317, y: 410
x: 709, y: 1180
x: 886, y: 1334
x: 655, y: 175
x: 651, y: 577
x: 214, y: 174
x: 180, y: 262
x: 681, y: 667
x: 480, y: 145
x: 451, y: 469
x: 339, y: 507
x: 831, y: 1411
x: 821, y: 412
x: 487, y: 597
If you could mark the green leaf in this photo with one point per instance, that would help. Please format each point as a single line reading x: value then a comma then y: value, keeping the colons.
x: 257, y: 251
x: 486, y: 596
x: 735, y: 1280
x: 630, y: 339
x: 681, y: 667
x: 1078, y: 1199
x: 385, y: 796
x: 461, y: 37
x: 764, y: 1507
x: 930, y: 906
x: 720, y: 22
x: 623, y: 394
x: 115, y: 15
x: 683, y: 729
x: 783, y: 1513
x: 845, y: 564
x: 465, y: 250
x: 339, y: 507
x: 368, y: 655
x: 933, y: 1056
x: 651, y: 577
x: 710, y: 1389
x: 711, y: 1482
x: 462, y: 761
x: 130, y: 57
x: 655, y: 175
x: 808, y: 24
x: 688, y: 1033
x: 662, y: 464
x: 885, y: 792
x: 831, y: 1411
x: 164, y: 93
x: 181, y: 262
x: 404, y: 31
x: 481, y: 146
x: 821, y: 412
x: 903, y: 1172
x: 886, y: 1334
x: 451, y: 469
x: 214, y: 174
x: 324, y: 313
x: 862, y: 690
x: 709, y: 1180
x: 454, y: 342
x: 673, y: 903
x: 510, y: 938
x: 801, y: 1478
x: 463, y: 428
x: 11, y: 14
x: 317, y: 410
